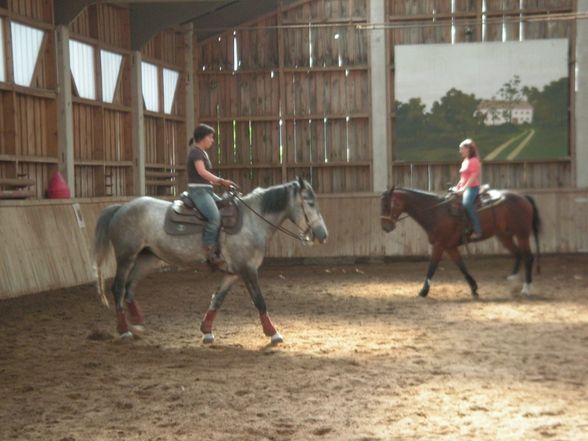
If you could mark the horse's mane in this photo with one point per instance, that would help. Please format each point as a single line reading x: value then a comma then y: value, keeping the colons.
x: 274, y: 199
x: 420, y: 192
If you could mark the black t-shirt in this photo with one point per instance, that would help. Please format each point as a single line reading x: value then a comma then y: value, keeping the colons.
x: 196, y: 154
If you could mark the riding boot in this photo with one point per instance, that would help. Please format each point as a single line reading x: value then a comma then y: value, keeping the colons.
x: 213, y: 258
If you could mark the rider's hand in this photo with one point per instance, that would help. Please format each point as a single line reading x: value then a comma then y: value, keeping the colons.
x: 227, y: 183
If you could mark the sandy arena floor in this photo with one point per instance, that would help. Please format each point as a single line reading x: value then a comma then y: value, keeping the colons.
x: 363, y: 359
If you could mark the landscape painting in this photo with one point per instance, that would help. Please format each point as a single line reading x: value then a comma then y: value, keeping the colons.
x: 510, y: 97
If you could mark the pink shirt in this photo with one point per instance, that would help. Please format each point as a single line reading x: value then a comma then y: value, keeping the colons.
x: 470, y: 167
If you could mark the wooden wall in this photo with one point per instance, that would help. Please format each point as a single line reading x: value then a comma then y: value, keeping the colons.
x: 429, y: 22
x: 103, y: 151
x: 165, y: 139
x: 28, y: 116
x: 294, y: 101
x: 44, y: 247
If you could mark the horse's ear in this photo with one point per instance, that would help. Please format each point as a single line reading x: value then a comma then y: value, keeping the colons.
x: 301, y: 182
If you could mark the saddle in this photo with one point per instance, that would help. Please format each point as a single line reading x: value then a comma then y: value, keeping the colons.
x: 182, y: 218
x: 487, y: 198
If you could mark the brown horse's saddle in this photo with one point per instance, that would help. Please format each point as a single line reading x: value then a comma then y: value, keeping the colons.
x: 183, y: 218
x: 488, y: 197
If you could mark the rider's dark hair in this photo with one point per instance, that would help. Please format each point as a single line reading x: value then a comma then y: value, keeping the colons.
x: 472, y: 147
x: 201, y: 132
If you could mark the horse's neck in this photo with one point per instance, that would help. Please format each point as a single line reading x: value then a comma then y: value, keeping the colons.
x: 421, y: 209
x: 257, y: 216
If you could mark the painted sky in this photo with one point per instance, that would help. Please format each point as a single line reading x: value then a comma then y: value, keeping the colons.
x: 429, y: 71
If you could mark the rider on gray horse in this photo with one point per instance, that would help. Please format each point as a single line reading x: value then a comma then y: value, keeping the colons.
x: 200, y: 182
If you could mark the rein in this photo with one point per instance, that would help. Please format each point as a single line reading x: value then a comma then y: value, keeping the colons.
x: 302, y: 236
x: 404, y: 216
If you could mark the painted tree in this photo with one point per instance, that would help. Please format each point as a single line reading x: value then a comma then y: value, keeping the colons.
x: 511, y: 93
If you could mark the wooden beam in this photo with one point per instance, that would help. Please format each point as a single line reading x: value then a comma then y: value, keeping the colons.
x: 65, y: 109
x: 138, y: 129
x: 380, y: 141
x: 189, y: 81
x: 17, y: 194
x: 16, y: 182
x: 580, y: 129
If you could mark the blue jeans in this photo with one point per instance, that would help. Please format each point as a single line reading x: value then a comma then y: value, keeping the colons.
x: 204, y: 199
x: 469, y: 197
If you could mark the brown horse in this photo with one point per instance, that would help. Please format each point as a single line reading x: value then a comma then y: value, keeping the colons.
x: 511, y: 216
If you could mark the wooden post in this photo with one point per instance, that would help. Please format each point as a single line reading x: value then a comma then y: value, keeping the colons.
x: 138, y: 124
x: 189, y: 92
x: 378, y: 86
x: 65, y: 109
x: 581, y: 91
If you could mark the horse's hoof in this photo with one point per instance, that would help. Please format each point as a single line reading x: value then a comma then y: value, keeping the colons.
x: 138, y: 329
x: 475, y: 296
x: 423, y: 295
x: 277, y: 339
x: 513, y: 278
x: 126, y: 335
x: 526, y: 291
x: 208, y: 338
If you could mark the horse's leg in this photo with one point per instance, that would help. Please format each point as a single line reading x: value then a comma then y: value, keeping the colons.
x: 456, y: 257
x: 145, y: 262
x: 123, y: 267
x: 436, y: 254
x: 252, y: 284
x: 528, y: 258
x: 509, y: 244
x: 215, y: 303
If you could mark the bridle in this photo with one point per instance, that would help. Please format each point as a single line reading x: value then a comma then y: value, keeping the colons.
x: 391, y: 217
x: 397, y: 218
x: 302, y: 235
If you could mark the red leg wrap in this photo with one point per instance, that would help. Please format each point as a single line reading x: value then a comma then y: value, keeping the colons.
x: 135, y: 312
x: 267, y: 325
x: 122, y: 325
x: 206, y: 324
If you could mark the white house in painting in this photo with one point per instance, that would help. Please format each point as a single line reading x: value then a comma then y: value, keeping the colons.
x: 499, y: 112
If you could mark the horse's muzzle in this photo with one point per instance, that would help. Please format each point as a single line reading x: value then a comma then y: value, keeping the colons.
x: 388, y: 225
x: 319, y: 231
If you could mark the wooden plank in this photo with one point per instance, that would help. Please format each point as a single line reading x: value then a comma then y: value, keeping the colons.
x: 16, y: 182
x: 17, y: 194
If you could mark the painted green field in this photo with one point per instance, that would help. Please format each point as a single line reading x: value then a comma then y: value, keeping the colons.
x: 494, y: 143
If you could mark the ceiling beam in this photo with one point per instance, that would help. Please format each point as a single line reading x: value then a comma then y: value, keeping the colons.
x: 232, y: 15
x: 149, y: 18
x: 66, y: 10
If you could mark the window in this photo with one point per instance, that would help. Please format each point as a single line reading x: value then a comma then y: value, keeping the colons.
x: 81, y: 57
x: 170, y: 82
x: 26, y: 42
x: 110, y: 66
x: 150, y: 86
x: 2, y: 61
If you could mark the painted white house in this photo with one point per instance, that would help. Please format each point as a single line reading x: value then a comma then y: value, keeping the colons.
x: 497, y: 112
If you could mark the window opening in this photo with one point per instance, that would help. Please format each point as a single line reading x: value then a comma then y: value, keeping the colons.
x: 110, y: 63
x: 170, y: 83
x: 81, y: 57
x: 235, y: 52
x: 2, y: 61
x: 484, y: 23
x: 26, y: 42
x: 453, y: 30
x: 150, y: 86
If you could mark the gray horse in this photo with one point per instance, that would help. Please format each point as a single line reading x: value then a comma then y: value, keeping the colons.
x: 135, y: 231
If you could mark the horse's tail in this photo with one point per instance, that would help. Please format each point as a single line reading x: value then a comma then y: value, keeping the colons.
x: 536, y: 229
x: 102, y: 247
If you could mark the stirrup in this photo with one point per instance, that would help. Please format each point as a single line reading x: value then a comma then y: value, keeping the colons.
x: 213, y: 258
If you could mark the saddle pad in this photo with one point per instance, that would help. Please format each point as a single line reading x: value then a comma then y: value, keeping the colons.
x: 182, y: 221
